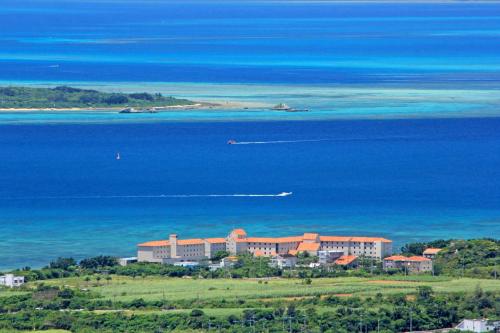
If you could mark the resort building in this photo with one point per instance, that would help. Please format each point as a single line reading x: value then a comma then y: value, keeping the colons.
x: 238, y: 242
x: 10, y: 280
x: 413, y: 264
x: 431, y: 252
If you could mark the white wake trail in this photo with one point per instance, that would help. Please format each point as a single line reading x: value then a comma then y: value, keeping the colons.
x: 276, y: 142
x: 395, y: 137
x: 154, y: 196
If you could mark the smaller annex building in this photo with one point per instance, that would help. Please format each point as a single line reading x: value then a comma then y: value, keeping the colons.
x: 414, y: 264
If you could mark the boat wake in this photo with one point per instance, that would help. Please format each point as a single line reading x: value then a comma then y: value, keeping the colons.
x: 277, y: 142
x: 395, y: 137
x: 153, y: 196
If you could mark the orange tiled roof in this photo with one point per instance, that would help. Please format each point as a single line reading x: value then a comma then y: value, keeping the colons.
x: 396, y: 258
x: 215, y: 240
x: 310, y: 236
x: 370, y: 239
x: 155, y: 243
x: 353, y: 239
x: 418, y: 258
x: 240, y: 232
x: 334, y: 238
x: 272, y: 239
x: 403, y: 258
x: 346, y: 260
x: 432, y: 250
x: 194, y: 241
x: 308, y: 247
x: 293, y: 252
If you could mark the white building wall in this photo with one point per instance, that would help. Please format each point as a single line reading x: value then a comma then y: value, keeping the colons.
x: 212, y: 248
x: 152, y: 253
x: 10, y: 280
x: 240, y: 247
x: 335, y: 246
x: 266, y: 248
x: 475, y: 325
x: 191, y: 252
x: 284, y: 248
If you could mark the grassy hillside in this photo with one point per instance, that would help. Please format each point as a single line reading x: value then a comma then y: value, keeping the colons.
x: 472, y: 258
x: 160, y: 304
x: 69, y: 97
x: 122, y: 288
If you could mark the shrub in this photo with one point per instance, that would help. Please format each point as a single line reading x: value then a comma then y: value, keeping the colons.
x: 197, y: 313
x: 116, y: 99
x: 143, y: 96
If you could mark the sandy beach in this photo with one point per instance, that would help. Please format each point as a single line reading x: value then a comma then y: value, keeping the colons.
x: 199, y: 105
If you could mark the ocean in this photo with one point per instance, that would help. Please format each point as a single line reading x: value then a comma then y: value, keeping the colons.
x: 252, y: 41
x: 402, y: 140
x: 64, y: 193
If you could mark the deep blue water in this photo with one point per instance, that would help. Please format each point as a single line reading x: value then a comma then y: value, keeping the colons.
x: 402, y: 179
x: 251, y: 41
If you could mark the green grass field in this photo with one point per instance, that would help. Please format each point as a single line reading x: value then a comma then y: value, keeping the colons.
x: 156, y: 288
x: 7, y: 293
x: 47, y: 331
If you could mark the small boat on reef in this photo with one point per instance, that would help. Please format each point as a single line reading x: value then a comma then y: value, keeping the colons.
x: 118, y: 156
x: 281, y: 107
x: 133, y: 110
x: 231, y: 142
x: 286, y: 108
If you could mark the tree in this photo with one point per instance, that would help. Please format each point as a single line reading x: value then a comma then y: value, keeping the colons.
x: 58, y: 97
x: 413, y: 249
x: 67, y: 89
x: 66, y: 293
x: 8, y: 91
x: 220, y: 255
x: 97, y: 262
x: 116, y: 99
x: 62, y: 263
x: 424, y: 293
x: 197, y: 313
x: 143, y: 96
x: 89, y: 98
x: 138, y: 303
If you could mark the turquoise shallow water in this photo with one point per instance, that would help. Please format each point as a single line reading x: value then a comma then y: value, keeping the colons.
x: 291, y: 42
x: 253, y: 102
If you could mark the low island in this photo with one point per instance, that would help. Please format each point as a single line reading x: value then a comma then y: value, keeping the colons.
x: 64, y: 97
